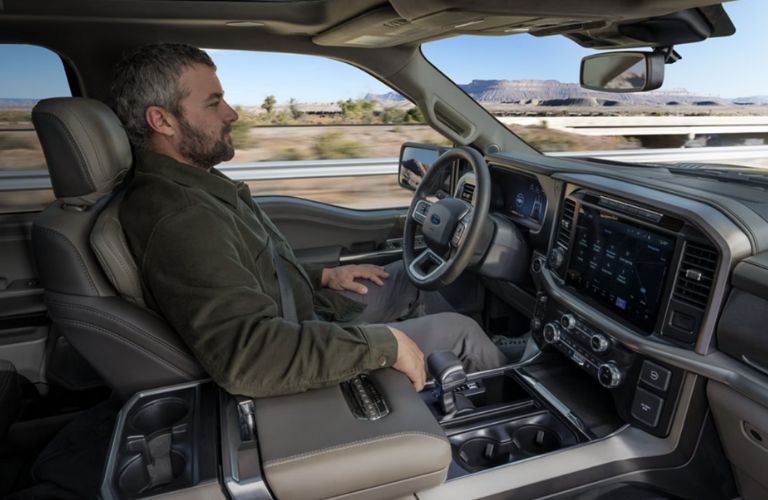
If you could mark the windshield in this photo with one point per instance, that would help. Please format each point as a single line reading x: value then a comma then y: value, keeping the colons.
x: 712, y: 108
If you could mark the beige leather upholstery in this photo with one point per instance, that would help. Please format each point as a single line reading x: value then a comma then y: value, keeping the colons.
x: 312, y: 446
x: 111, y: 248
x: 85, y: 146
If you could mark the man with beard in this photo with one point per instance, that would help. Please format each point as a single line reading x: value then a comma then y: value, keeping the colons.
x: 214, y: 265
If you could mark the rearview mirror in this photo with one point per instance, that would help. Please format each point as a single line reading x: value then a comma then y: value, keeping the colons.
x: 623, y: 71
x: 415, y: 160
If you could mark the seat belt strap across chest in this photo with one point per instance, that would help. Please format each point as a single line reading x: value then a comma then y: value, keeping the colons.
x: 287, y: 302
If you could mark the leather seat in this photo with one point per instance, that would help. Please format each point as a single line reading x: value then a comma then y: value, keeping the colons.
x: 92, y: 285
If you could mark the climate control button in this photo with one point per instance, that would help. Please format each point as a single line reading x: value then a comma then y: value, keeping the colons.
x: 599, y: 343
x: 567, y: 321
x: 551, y: 333
x: 609, y: 375
x: 556, y: 258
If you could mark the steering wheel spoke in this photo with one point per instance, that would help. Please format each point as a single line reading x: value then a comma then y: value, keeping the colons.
x: 419, y: 213
x: 461, y: 229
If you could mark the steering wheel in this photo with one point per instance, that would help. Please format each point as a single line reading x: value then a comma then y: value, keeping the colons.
x: 452, y: 227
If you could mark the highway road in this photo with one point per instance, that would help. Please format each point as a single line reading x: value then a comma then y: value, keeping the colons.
x: 647, y: 125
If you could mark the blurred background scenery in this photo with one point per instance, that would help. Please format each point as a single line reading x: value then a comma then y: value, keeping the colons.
x: 307, y: 109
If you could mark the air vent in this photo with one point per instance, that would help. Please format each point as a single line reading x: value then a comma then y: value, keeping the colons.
x: 467, y: 192
x: 696, y: 274
x: 566, y: 223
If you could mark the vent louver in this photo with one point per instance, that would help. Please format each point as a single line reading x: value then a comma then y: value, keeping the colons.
x: 696, y: 274
x: 566, y: 223
x: 467, y: 192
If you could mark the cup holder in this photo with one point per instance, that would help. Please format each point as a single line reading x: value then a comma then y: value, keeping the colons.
x: 482, y: 453
x: 134, y: 478
x: 503, y: 442
x: 159, y: 414
x: 535, y: 440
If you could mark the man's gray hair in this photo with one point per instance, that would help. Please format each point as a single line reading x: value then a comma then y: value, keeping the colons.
x: 149, y: 76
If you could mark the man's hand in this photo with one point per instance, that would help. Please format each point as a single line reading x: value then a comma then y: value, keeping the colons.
x: 410, y: 359
x: 343, y: 277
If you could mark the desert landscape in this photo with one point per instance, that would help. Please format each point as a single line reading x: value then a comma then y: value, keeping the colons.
x: 375, y: 126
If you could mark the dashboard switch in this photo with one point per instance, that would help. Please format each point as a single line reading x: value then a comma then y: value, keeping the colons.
x: 655, y: 376
x: 599, y: 343
x: 647, y: 407
x: 568, y: 322
x: 556, y: 258
x: 552, y: 333
x: 609, y: 375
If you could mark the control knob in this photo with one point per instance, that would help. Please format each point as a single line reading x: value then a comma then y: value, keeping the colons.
x: 551, y: 333
x: 609, y: 375
x: 556, y: 258
x: 599, y: 343
x: 568, y: 322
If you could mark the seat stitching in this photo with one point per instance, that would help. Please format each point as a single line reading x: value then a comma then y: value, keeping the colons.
x: 117, y: 319
x: 162, y: 361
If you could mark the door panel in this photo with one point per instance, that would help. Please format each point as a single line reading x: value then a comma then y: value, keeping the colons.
x: 743, y: 422
x: 332, y: 235
x: 23, y: 321
x: 743, y: 428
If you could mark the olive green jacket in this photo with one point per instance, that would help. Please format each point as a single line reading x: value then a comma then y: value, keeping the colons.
x: 203, y: 248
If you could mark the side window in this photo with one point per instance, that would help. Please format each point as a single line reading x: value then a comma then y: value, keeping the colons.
x: 318, y: 129
x: 30, y: 73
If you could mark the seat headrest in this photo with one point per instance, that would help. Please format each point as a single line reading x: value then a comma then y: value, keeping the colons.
x: 85, y: 146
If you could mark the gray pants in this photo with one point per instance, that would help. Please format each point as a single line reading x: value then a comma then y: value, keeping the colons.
x: 437, y: 327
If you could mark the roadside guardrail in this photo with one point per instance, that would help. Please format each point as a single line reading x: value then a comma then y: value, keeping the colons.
x: 24, y: 180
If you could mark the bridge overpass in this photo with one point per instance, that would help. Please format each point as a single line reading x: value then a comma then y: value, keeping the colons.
x: 652, y: 130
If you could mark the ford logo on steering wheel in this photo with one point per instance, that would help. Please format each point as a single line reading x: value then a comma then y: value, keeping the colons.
x: 435, y: 219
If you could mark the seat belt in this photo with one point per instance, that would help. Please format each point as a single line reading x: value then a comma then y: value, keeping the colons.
x: 287, y: 302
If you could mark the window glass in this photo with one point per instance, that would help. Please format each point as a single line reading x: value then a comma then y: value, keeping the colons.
x: 715, y: 96
x: 29, y: 74
x: 316, y: 128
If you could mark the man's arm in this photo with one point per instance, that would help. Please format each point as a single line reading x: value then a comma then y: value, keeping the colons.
x: 193, y: 266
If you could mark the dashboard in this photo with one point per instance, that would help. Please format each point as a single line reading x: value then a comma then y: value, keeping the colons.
x: 630, y: 273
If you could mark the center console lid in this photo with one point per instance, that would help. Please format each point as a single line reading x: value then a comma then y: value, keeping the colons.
x: 368, y: 438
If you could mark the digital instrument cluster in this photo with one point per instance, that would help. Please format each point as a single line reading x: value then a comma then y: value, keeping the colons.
x: 520, y: 196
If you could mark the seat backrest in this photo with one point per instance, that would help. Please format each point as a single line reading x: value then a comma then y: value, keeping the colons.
x: 92, y: 285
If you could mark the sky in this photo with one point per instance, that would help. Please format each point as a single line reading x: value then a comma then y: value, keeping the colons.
x: 734, y: 66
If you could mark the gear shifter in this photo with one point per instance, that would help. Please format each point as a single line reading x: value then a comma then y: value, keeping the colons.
x: 449, y: 374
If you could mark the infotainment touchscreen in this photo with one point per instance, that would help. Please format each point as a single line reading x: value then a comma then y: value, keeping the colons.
x: 621, y: 264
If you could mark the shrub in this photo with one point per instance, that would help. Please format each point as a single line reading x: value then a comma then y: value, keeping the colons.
x: 241, y: 130
x: 332, y: 145
x: 289, y: 153
x: 12, y: 140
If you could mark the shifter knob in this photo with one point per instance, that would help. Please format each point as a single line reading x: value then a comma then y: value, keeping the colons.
x: 449, y: 374
x: 446, y: 369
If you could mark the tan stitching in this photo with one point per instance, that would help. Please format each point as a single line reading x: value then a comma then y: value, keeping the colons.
x: 354, y: 444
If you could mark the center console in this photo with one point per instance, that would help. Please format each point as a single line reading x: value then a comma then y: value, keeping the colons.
x: 645, y: 271
x: 370, y: 437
